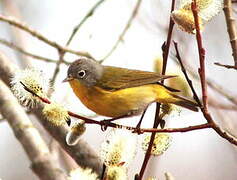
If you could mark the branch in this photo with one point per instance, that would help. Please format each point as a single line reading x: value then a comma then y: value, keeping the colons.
x: 201, y: 71
x: 226, y: 66
x: 157, y: 120
x: 62, y: 53
x: 89, y: 14
x: 36, y: 149
x: 231, y: 28
x: 195, y: 96
x: 206, y: 114
x: 173, y: 130
x: 201, y: 52
x: 57, y: 68
x: 36, y: 34
x: 82, y: 152
x: 121, y: 36
x: 113, y: 125
x: 212, y: 84
x: 219, y: 105
x: 54, y: 131
x: 21, y: 50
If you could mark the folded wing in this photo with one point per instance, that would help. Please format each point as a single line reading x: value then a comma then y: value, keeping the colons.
x: 115, y: 78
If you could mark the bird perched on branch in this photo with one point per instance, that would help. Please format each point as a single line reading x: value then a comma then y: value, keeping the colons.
x: 120, y: 92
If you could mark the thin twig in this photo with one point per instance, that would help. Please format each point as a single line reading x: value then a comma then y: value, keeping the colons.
x: 89, y: 14
x: 57, y: 67
x: 157, y: 120
x: 21, y: 50
x: 24, y: 27
x: 195, y: 96
x: 121, y: 36
x: 231, y: 28
x: 62, y: 53
x: 206, y: 114
x: 75, y: 30
x: 224, y: 92
x: 35, y: 147
x: 214, y: 85
x: 219, y: 105
x: 226, y: 66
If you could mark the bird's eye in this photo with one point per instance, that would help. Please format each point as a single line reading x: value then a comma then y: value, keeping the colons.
x: 82, y: 73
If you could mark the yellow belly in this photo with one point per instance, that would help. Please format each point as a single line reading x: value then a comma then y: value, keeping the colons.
x: 120, y: 102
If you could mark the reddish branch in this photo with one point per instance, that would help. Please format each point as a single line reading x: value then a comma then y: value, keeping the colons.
x: 226, y: 66
x: 157, y: 120
x: 210, y: 124
x: 201, y: 52
x: 113, y: 125
x: 210, y: 121
x: 201, y: 71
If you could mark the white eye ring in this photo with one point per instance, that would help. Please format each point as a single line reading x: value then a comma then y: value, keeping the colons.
x: 81, y: 73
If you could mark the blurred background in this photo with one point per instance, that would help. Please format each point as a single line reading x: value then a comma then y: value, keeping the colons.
x: 193, y: 155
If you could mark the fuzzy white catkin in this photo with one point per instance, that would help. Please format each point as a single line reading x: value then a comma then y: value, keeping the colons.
x: 74, y: 134
x: 119, y: 147
x: 35, y: 81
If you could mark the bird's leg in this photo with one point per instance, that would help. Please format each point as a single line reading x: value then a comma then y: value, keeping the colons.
x: 141, y: 118
x: 106, y: 121
x: 140, y: 121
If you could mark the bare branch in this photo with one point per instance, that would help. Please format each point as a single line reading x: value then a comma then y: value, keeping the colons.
x: 6, y: 69
x: 213, y: 85
x: 89, y: 14
x: 226, y: 66
x: 57, y: 67
x: 75, y: 30
x: 195, y: 96
x: 121, y: 36
x: 201, y: 52
x: 201, y: 71
x: 24, y: 27
x: 21, y: 50
x: 215, y: 104
x: 165, y: 49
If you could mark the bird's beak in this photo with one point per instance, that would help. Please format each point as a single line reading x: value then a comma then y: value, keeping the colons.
x: 68, y: 79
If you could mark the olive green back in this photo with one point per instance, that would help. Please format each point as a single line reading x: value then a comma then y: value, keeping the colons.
x: 115, y: 78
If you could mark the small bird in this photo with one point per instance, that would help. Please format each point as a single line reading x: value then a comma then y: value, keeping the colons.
x: 120, y: 92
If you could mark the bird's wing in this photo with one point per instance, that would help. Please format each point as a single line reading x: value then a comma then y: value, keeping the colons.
x: 115, y: 78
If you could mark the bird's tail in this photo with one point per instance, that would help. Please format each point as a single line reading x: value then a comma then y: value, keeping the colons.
x: 180, y: 101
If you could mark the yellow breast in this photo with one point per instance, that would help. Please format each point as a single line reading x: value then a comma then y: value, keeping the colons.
x: 115, y: 103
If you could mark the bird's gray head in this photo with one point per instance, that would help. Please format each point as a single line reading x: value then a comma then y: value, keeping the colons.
x: 87, y: 71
